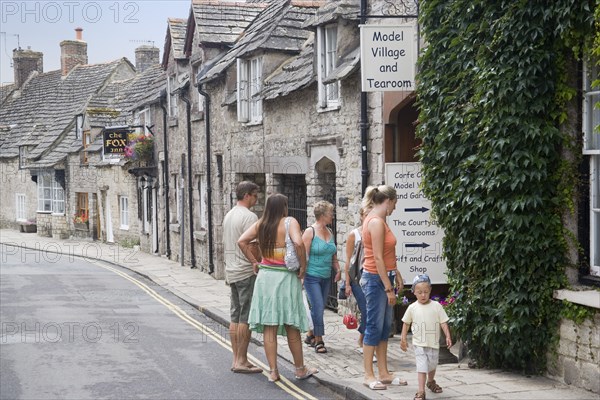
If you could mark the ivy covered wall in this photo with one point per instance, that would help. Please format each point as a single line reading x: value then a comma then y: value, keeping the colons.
x: 493, y: 90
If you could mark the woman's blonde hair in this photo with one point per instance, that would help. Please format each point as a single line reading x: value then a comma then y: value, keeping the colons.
x: 375, y: 195
x: 322, y: 207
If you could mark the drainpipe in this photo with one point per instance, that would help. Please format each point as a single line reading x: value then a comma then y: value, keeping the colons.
x: 163, y: 96
x: 188, y: 116
x: 211, y: 265
x: 364, y: 118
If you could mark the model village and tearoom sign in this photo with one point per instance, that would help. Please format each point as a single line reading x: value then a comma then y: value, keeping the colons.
x: 387, y: 58
x: 419, y: 239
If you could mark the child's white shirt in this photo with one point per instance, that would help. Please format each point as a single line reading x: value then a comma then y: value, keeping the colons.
x: 425, y: 320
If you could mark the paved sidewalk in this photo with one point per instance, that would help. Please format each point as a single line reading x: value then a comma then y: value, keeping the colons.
x: 341, y: 368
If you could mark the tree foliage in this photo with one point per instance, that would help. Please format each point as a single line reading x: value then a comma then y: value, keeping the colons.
x: 492, y: 95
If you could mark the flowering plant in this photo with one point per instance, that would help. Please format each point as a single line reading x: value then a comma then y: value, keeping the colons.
x: 140, y: 147
x: 81, y: 217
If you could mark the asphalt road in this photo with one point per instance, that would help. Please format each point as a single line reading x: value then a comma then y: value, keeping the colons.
x: 79, y: 329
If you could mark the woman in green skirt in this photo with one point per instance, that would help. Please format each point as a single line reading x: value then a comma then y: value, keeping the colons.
x: 277, y: 307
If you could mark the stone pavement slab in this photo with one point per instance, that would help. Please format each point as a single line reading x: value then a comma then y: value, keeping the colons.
x: 341, y: 368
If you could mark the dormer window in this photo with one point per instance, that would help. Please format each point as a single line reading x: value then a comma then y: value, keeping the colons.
x: 249, y: 86
x: 329, y: 94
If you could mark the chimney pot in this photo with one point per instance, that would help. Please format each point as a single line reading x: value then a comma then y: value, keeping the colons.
x: 78, y: 33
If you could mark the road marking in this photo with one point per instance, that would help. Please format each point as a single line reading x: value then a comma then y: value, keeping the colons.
x: 285, y: 384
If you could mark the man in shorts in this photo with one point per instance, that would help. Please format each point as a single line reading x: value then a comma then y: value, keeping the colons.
x: 240, y: 275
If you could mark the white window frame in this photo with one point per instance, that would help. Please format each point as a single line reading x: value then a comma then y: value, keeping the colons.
x: 147, y: 120
x: 124, y: 212
x: 249, y: 87
x: 20, y: 207
x: 591, y: 147
x: 172, y: 98
x: 51, y: 196
x: 329, y: 95
x: 78, y: 126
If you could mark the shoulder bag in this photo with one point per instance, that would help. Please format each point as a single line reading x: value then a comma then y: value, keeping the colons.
x: 291, y: 258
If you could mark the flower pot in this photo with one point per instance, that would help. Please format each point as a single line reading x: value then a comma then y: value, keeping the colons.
x: 446, y: 357
x: 81, y: 226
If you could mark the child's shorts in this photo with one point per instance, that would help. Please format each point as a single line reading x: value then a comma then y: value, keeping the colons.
x: 427, y: 358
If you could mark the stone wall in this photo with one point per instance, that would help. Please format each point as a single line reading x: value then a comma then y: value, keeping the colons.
x: 19, y: 181
x: 577, y: 359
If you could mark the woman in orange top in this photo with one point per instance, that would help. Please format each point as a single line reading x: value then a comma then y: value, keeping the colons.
x: 377, y: 282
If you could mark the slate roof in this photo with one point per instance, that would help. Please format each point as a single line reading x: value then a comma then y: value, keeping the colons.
x: 223, y: 22
x: 333, y: 11
x: 278, y: 27
x: 296, y: 74
x: 175, y: 39
x: 5, y: 90
x: 346, y: 65
x: 113, y: 106
x: 43, y: 116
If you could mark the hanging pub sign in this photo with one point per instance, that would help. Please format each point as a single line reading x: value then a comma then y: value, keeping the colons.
x: 115, y: 141
x: 387, y: 58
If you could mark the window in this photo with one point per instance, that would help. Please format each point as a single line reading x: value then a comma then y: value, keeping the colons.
x: 51, y: 195
x: 591, y: 147
x: 249, y: 86
x: 78, y: 126
x: 172, y: 98
x: 200, y: 102
x: 20, y: 207
x: 82, y: 211
x: 329, y: 94
x: 147, y: 120
x: 124, y: 211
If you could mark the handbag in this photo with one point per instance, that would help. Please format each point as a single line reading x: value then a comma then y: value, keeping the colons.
x: 291, y: 258
x: 350, y: 321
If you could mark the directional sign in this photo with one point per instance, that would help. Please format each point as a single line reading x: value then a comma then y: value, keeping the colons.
x: 419, y: 238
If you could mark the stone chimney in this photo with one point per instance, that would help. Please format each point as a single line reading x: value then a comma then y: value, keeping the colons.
x: 145, y: 57
x: 24, y: 63
x: 73, y: 52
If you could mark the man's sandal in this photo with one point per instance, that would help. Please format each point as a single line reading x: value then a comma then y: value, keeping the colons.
x: 320, y: 347
x: 434, y: 387
x: 420, y: 396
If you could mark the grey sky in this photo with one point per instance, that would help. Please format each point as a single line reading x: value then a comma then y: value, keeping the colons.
x: 112, y: 29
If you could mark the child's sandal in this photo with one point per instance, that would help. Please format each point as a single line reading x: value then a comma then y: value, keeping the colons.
x: 310, y: 340
x: 420, y: 396
x: 434, y: 387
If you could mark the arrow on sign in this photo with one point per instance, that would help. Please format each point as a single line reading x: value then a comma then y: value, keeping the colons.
x: 422, y: 209
x: 423, y: 245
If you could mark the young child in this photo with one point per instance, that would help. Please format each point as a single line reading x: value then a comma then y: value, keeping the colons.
x: 425, y: 317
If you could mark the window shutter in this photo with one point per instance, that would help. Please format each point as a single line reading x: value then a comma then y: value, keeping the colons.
x: 242, y: 90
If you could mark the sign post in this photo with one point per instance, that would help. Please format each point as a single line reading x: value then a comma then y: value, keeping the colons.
x: 387, y: 58
x: 419, y: 238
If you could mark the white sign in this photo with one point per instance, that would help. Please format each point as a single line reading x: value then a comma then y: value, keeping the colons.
x: 419, y: 238
x: 387, y: 58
